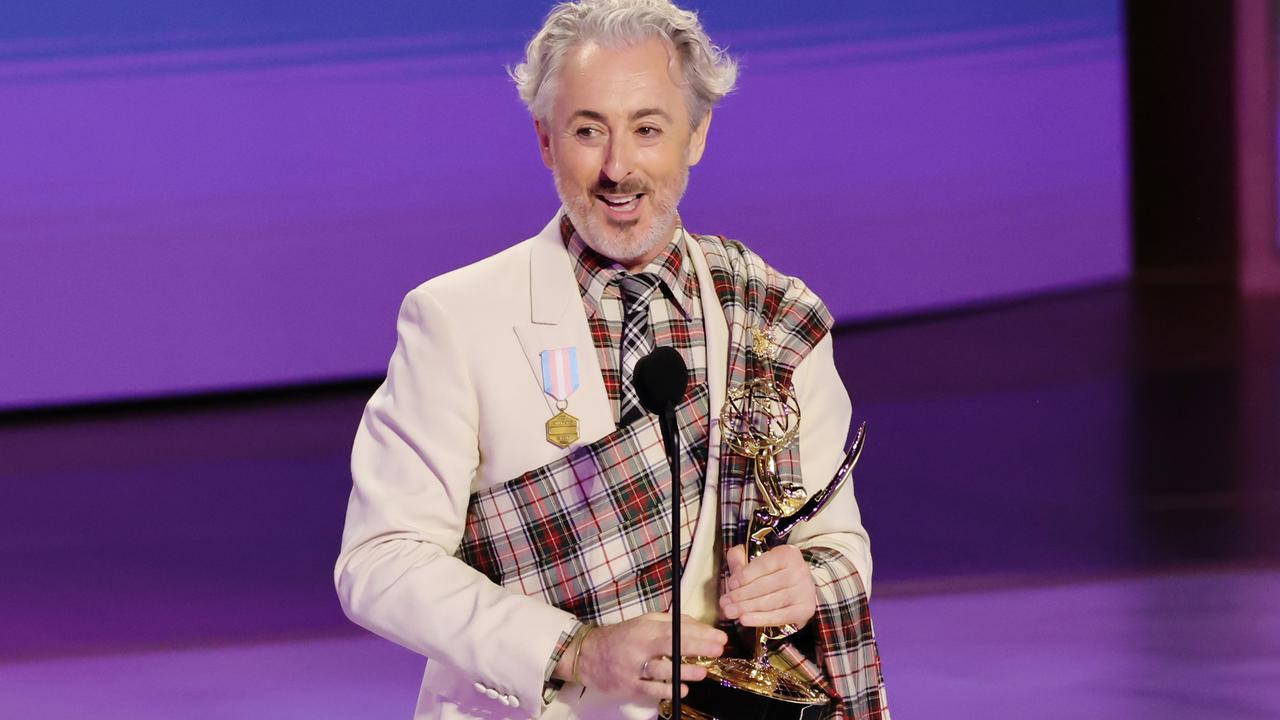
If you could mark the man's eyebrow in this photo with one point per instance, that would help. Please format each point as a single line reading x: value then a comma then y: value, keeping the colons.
x: 638, y: 114
x: 646, y: 112
x: 588, y: 114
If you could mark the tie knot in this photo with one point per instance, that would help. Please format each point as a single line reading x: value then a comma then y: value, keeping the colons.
x: 637, y: 289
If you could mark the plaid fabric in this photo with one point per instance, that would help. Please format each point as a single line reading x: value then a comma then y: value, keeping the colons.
x: 842, y: 639
x: 754, y: 295
x: 562, y: 645
x: 589, y: 532
x: 676, y: 323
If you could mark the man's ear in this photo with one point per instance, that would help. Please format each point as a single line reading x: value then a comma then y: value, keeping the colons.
x: 698, y: 141
x: 544, y: 141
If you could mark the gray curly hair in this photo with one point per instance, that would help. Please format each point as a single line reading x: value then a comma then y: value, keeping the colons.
x: 709, y: 73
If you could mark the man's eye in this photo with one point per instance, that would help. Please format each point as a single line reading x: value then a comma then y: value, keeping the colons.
x: 587, y: 132
x: 648, y: 131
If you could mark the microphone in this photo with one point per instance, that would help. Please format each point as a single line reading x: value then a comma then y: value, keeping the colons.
x: 660, y: 380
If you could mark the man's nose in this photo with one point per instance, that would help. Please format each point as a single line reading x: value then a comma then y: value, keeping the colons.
x: 619, y: 159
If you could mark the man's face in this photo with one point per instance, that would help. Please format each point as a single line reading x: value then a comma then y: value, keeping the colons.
x: 619, y: 145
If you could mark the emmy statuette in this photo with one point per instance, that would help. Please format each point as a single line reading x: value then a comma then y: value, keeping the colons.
x: 760, y: 419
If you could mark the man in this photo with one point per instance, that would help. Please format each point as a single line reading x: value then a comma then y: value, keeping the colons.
x: 509, y: 512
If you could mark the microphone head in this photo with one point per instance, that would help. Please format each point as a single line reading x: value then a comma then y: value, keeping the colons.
x: 660, y: 379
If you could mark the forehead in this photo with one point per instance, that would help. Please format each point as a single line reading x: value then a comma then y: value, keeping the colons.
x: 616, y: 81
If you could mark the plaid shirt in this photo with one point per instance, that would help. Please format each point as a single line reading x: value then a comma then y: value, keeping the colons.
x: 676, y: 318
x: 589, y: 532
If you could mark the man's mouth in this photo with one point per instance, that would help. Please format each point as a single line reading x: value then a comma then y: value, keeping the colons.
x: 621, y: 203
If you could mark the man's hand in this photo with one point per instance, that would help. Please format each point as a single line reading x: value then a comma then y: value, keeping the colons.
x: 774, y: 589
x: 631, y: 658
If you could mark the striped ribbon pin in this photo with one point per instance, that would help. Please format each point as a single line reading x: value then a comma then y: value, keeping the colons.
x: 560, y: 380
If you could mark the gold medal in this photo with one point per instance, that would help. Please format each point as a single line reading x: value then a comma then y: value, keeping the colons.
x: 562, y: 429
x: 560, y: 380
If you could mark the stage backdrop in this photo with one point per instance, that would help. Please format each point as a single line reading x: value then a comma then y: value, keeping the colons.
x: 1275, y: 117
x: 198, y: 196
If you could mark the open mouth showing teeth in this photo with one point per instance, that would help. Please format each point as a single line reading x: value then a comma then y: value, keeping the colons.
x: 621, y: 202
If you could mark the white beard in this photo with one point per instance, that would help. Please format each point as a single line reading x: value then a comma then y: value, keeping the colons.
x: 626, y: 245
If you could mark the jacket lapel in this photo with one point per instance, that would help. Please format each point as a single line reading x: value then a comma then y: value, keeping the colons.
x: 717, y: 332
x: 557, y: 319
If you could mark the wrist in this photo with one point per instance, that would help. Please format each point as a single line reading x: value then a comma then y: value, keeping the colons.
x: 575, y: 671
x: 568, y: 667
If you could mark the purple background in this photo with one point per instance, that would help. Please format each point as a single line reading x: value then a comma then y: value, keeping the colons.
x: 1073, y: 500
x: 1274, y: 16
x: 183, y: 212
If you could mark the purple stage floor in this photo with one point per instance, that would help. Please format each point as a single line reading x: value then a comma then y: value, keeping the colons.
x: 1074, y: 505
x: 1175, y: 647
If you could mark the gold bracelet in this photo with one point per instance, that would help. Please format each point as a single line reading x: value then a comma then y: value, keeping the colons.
x: 577, y: 652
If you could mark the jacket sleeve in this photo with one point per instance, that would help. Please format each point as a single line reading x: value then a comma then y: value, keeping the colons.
x: 837, y: 548
x: 825, y: 414
x: 413, y: 465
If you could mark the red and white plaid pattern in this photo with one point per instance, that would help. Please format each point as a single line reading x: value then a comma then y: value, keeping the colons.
x: 589, y: 532
x: 675, y: 320
x: 841, y: 639
x: 755, y: 296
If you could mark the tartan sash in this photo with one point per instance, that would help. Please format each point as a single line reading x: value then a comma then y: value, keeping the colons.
x: 755, y: 296
x: 590, y: 532
x: 839, y: 647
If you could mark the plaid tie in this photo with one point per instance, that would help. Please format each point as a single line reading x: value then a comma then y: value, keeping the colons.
x: 637, y: 338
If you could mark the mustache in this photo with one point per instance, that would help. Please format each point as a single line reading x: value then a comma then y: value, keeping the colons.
x: 626, y: 187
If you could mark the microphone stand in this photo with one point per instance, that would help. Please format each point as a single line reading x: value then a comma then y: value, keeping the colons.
x: 671, y: 441
x: 660, y: 380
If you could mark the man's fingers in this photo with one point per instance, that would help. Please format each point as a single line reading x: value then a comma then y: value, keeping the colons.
x: 773, y: 589
x: 779, y: 609
x: 660, y: 690
x: 770, y: 618
x: 696, y: 628
x: 761, y: 586
x: 752, y: 571
x: 736, y: 557
x: 697, y: 638
x: 660, y: 669
x: 705, y: 648
x: 777, y: 559
x: 614, y: 656
x: 692, y: 673
x: 780, y: 599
